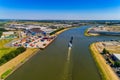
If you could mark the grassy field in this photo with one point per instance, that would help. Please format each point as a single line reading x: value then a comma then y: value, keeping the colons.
x: 1, y: 31
x: 113, y: 28
x: 2, y: 24
x: 86, y: 33
x: 13, y: 64
x: 3, y: 49
x: 4, y: 75
x: 113, y: 49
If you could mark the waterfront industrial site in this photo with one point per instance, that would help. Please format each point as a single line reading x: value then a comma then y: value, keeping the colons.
x: 47, y: 43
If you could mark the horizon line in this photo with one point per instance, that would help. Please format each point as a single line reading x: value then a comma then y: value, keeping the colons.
x: 58, y: 19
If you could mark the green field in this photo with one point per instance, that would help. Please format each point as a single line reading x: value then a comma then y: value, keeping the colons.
x: 3, y: 49
x: 2, y: 24
x: 1, y: 31
x: 4, y: 75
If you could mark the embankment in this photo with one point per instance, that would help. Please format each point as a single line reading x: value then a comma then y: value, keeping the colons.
x: 17, y: 61
x: 89, y: 34
x: 105, y: 70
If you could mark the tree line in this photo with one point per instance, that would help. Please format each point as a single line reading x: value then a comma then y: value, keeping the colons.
x: 11, y: 55
x: 1, y: 31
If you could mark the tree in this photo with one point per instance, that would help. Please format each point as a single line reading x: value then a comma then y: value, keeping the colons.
x: 105, y: 51
x: 11, y: 55
x: 117, y: 63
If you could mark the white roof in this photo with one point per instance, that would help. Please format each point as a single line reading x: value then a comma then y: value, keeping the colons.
x: 117, y: 56
x: 8, y: 33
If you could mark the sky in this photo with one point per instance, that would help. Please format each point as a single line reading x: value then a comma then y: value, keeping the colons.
x: 60, y: 9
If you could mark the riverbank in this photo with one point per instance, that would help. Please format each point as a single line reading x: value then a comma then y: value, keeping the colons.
x: 59, y: 32
x: 105, y: 70
x: 104, y: 30
x: 89, y: 34
x: 56, y: 34
x: 3, y: 49
x: 16, y: 62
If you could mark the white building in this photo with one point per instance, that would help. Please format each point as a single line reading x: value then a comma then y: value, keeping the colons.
x: 117, y: 56
x: 7, y: 34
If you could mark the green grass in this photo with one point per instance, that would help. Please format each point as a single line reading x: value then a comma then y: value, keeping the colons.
x: 0, y: 33
x: 3, y: 49
x: 2, y: 24
x: 3, y: 42
x: 103, y: 76
x: 4, y: 75
x: 86, y: 33
x: 2, y: 29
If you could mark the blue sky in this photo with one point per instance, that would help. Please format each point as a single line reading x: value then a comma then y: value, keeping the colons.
x: 60, y: 9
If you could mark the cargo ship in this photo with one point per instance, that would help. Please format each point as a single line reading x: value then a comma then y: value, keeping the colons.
x: 70, y: 42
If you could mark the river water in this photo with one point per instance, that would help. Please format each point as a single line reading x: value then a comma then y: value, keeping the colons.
x: 57, y: 62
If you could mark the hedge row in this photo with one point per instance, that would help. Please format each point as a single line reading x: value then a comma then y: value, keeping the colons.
x: 1, y: 31
x: 11, y: 55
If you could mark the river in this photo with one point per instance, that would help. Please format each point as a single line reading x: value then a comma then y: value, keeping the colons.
x: 57, y: 62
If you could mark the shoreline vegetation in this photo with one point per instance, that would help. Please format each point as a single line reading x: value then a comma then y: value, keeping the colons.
x: 10, y: 66
x: 12, y: 54
x: 105, y: 70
